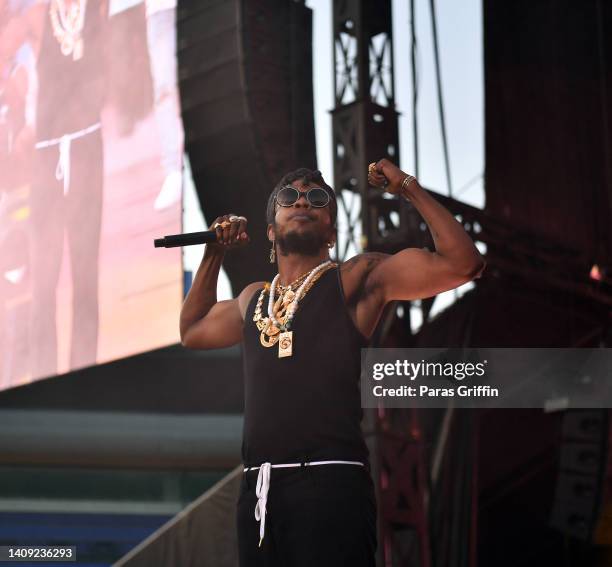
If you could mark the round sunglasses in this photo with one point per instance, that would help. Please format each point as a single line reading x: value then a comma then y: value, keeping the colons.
x: 289, y: 196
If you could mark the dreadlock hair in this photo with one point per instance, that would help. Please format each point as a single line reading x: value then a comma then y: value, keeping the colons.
x: 308, y: 176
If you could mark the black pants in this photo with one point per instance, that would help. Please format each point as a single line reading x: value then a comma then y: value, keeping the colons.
x: 79, y: 215
x: 316, y: 516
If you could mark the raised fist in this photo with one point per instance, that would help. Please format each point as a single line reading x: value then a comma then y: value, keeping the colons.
x: 386, y: 175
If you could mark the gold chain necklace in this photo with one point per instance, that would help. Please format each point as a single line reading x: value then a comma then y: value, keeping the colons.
x: 67, y: 22
x: 288, y: 292
x: 283, y: 311
x: 297, y: 281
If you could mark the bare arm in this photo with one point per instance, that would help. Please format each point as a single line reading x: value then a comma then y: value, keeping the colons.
x: 416, y: 273
x: 206, y: 323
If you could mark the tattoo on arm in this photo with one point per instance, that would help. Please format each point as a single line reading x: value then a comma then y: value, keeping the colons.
x: 349, y: 265
x: 366, y: 262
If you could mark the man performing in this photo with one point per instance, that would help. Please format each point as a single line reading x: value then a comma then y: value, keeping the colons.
x: 307, y: 496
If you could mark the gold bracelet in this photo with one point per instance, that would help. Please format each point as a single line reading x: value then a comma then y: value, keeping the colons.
x: 407, y: 181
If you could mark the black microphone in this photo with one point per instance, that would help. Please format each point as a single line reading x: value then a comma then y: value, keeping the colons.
x: 187, y: 239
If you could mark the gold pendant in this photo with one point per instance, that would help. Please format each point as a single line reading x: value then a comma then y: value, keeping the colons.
x: 67, y: 44
x: 271, y: 329
x: 285, y: 344
x: 267, y: 341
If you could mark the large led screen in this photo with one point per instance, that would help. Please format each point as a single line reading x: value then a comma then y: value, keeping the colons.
x: 91, y: 149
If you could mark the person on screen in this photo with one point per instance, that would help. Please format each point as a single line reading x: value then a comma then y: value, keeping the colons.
x: 302, y: 336
x: 161, y: 39
x: 66, y: 191
x: 68, y: 184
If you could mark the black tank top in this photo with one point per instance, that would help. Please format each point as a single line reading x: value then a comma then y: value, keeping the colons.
x: 71, y: 92
x: 306, y: 407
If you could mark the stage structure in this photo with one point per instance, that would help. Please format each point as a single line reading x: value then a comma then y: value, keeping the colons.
x: 245, y: 76
x: 548, y: 132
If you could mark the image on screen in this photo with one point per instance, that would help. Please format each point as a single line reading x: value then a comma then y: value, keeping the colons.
x: 91, y: 147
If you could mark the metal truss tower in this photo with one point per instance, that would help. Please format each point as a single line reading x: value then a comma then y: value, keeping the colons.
x: 365, y: 125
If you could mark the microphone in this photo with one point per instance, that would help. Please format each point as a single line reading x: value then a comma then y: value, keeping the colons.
x: 187, y: 239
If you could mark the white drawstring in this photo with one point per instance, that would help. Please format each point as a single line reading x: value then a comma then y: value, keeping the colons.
x: 62, y: 169
x: 263, y: 486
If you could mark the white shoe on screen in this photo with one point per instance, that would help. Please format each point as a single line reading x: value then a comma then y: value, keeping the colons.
x: 171, y: 191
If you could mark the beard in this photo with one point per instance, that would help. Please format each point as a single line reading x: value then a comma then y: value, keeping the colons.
x: 307, y: 243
